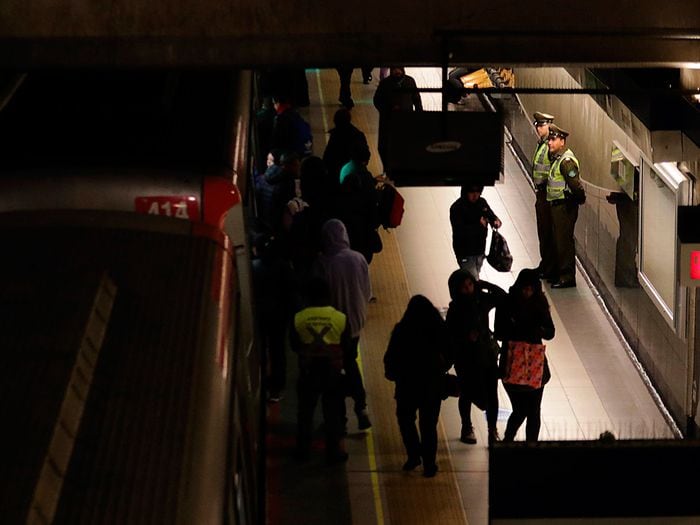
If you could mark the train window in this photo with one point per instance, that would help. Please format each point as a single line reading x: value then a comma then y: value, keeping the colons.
x: 663, y: 189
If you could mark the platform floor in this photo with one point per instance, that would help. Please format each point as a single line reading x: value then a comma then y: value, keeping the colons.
x: 596, y: 385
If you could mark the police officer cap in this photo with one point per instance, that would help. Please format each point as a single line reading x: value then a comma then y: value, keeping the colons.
x: 556, y: 131
x: 544, y: 118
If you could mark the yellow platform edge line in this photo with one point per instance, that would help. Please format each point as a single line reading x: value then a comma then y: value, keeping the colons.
x: 371, y: 456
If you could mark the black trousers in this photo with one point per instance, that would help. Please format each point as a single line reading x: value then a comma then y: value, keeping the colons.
x: 311, y: 386
x: 274, y: 337
x: 543, y: 215
x: 428, y: 410
x: 345, y: 95
x: 354, y: 387
x: 526, y: 405
x: 564, y: 217
x: 490, y: 383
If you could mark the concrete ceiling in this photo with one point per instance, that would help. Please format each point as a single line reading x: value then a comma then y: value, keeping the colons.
x: 250, y: 33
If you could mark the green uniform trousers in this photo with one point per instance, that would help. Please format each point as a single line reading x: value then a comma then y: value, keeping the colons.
x: 564, y: 215
x: 543, y: 215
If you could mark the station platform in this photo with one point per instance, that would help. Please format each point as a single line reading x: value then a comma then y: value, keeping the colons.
x: 596, y: 386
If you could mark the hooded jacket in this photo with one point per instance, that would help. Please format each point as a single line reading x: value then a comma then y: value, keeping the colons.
x: 468, y: 323
x: 346, y: 272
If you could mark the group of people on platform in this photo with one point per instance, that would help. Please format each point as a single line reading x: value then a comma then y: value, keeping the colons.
x: 314, y: 241
x: 423, y: 347
x: 558, y: 194
x: 315, y: 234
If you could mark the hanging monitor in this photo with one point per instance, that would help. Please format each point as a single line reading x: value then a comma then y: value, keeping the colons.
x: 445, y: 148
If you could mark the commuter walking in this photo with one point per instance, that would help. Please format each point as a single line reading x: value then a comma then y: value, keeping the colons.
x: 357, y: 203
x: 345, y: 94
x: 474, y: 350
x: 543, y: 213
x: 416, y: 360
x: 319, y: 337
x: 345, y: 77
x: 343, y: 139
x: 565, y: 193
x: 347, y: 274
x: 397, y: 92
x: 524, y: 317
x: 470, y: 216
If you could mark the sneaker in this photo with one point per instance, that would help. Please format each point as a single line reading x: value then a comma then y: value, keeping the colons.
x: 429, y: 471
x: 410, y: 464
x: 363, y: 422
x: 494, y: 435
x: 467, y: 436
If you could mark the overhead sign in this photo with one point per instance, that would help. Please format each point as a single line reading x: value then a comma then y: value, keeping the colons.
x: 432, y: 148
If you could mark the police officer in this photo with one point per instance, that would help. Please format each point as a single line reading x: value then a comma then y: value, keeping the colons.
x: 320, y: 336
x: 564, y: 193
x: 540, y: 172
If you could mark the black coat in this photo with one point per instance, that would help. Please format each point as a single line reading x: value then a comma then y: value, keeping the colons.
x: 468, y: 234
x: 470, y: 335
x: 342, y: 142
x: 416, y: 359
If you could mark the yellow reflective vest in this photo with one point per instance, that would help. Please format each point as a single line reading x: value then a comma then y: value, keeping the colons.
x: 556, y: 182
x: 320, y: 330
x: 541, y: 164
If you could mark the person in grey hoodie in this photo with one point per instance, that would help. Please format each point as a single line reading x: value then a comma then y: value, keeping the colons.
x: 347, y: 274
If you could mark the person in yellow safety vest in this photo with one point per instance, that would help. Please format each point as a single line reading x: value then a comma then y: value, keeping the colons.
x: 565, y: 193
x: 543, y: 214
x: 320, y: 336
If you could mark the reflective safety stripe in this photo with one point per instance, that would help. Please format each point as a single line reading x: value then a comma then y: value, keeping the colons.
x: 556, y: 182
x: 540, y: 164
x: 320, y: 330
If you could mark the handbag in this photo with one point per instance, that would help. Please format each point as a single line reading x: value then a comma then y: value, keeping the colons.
x: 499, y: 256
x: 524, y: 364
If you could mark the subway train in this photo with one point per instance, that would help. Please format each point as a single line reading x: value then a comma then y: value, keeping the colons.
x: 131, y: 381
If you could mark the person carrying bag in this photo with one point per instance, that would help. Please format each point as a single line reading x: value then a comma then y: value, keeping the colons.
x: 522, y: 321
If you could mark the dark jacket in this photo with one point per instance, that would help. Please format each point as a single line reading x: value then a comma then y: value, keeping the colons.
x: 274, y: 190
x: 357, y: 207
x: 468, y: 326
x: 468, y: 234
x: 273, y: 284
x: 520, y: 319
x: 397, y: 94
x: 417, y: 356
x: 342, y: 141
x: 290, y: 132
